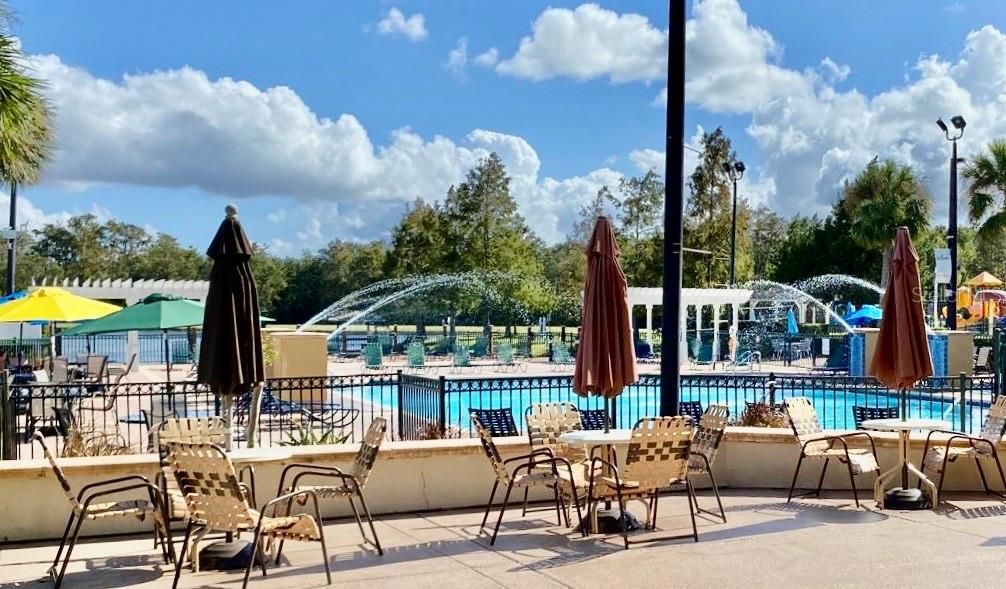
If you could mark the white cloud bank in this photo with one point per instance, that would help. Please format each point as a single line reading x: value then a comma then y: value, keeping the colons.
x: 395, y: 22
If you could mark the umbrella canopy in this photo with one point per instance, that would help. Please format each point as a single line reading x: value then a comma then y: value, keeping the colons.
x: 866, y: 314
x: 13, y: 296
x: 984, y: 280
x: 605, y: 359
x: 230, y: 357
x: 53, y: 304
x: 902, y: 357
x: 990, y: 294
x: 155, y: 312
x: 791, y: 327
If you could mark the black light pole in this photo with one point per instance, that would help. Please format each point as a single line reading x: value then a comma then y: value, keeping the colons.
x: 12, y: 242
x: 735, y: 171
x: 674, y: 183
x: 959, y: 123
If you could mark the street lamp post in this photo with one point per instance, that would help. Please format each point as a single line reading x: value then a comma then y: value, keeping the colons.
x: 735, y: 171
x: 959, y: 123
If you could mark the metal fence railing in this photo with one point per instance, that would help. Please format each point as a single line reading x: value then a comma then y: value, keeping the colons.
x: 533, y: 345
x: 328, y: 409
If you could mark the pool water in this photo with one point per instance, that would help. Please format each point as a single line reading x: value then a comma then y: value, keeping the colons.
x: 834, y: 407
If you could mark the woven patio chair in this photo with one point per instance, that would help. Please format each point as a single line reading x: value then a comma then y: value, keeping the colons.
x: 349, y: 485
x: 217, y: 503
x: 526, y: 474
x: 658, y: 457
x: 415, y: 355
x: 816, y: 443
x: 209, y: 430
x: 545, y: 423
x: 691, y: 409
x: 705, y: 443
x: 594, y: 419
x: 861, y: 414
x: 499, y: 422
x: 85, y: 508
x: 984, y: 445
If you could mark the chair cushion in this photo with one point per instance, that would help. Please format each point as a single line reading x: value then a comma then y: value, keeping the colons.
x: 862, y: 460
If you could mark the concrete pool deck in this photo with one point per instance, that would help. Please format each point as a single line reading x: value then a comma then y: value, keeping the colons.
x: 766, y: 543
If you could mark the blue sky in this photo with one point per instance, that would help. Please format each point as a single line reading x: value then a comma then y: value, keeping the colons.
x: 320, y: 123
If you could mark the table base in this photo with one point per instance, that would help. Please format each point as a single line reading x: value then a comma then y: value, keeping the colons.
x: 905, y: 499
x: 609, y: 522
x: 227, y: 556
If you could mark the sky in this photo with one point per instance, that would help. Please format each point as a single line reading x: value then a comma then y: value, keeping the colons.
x: 323, y: 120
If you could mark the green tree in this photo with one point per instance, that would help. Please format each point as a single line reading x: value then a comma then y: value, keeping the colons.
x: 270, y: 278
x: 884, y: 196
x: 767, y: 233
x: 417, y: 242
x: 986, y: 172
x: 166, y: 259
x: 641, y: 229
x: 601, y: 205
x: 708, y: 218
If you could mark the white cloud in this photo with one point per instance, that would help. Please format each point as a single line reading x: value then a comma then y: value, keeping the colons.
x: 457, y: 58
x: 277, y: 216
x: 311, y: 233
x: 648, y: 159
x: 589, y: 42
x: 487, y: 58
x: 954, y: 8
x: 280, y: 247
x: 396, y: 23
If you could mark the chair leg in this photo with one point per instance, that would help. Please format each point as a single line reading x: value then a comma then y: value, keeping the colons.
x: 795, y: 475
x: 999, y: 467
x: 506, y: 499
x: 716, y: 491
x: 254, y: 554
x: 820, y: 481
x: 558, y: 509
x: 523, y: 512
x: 695, y: 529
x: 69, y: 548
x: 370, y: 521
x: 489, y: 504
x: 621, y: 516
x: 321, y: 538
x: 356, y: 515
x: 181, y: 554
x: 852, y: 481
x: 981, y: 473
x: 62, y: 544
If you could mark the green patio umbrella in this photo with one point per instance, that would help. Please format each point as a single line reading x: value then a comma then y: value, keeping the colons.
x: 157, y: 312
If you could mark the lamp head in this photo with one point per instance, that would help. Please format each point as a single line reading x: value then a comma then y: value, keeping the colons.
x: 739, y: 167
x: 941, y: 124
x: 959, y: 122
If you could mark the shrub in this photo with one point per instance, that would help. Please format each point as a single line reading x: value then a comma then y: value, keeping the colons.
x: 763, y: 415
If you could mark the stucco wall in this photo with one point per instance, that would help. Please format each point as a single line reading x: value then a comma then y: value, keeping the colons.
x: 415, y: 476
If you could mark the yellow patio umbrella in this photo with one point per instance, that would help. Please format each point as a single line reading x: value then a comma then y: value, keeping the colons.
x: 55, y: 305
x: 984, y: 280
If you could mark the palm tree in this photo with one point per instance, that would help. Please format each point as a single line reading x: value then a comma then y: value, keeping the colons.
x: 987, y: 172
x: 25, y: 126
x: 884, y: 196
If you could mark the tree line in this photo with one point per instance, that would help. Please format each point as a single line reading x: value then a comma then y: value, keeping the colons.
x: 478, y: 228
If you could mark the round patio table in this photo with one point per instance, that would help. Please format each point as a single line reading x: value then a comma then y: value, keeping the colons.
x: 904, y: 498
x: 610, y: 520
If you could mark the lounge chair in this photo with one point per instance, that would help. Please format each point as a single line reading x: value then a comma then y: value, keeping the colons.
x: 216, y: 502
x: 691, y: 409
x: 982, y: 360
x: 658, y: 457
x: 705, y: 444
x: 505, y: 357
x: 984, y: 445
x: 816, y: 443
x: 373, y: 357
x: 594, y: 419
x: 462, y: 359
x: 861, y: 414
x: 537, y: 468
x: 349, y: 485
x: 499, y: 422
x: 560, y: 356
x: 416, y: 356
x: 84, y: 507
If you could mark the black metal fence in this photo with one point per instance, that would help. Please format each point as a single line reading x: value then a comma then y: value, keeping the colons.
x: 89, y: 419
x: 329, y: 409
x: 528, y: 345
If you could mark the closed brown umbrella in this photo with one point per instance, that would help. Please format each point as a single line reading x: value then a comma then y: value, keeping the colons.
x: 605, y: 358
x: 230, y: 356
x: 901, y: 357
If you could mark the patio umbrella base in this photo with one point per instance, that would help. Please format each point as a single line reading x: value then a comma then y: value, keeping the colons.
x: 905, y: 499
x: 609, y: 522
x: 227, y: 556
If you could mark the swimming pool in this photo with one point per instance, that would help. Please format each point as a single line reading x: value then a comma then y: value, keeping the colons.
x: 420, y: 398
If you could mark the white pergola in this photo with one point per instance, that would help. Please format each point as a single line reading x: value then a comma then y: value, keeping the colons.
x: 128, y: 291
x: 697, y: 298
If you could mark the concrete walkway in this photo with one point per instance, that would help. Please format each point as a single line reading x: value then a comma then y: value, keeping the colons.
x: 767, y: 543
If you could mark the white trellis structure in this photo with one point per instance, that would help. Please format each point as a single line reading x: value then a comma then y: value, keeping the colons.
x: 128, y: 291
x: 718, y: 299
